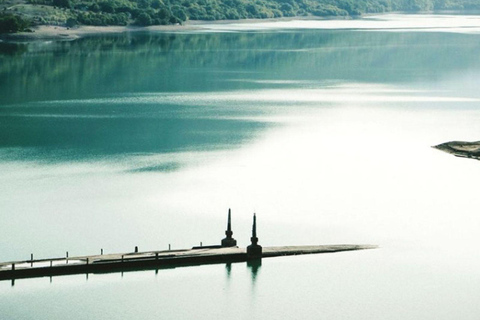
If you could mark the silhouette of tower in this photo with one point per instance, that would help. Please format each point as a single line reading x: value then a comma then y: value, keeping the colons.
x: 254, y: 250
x: 229, y: 241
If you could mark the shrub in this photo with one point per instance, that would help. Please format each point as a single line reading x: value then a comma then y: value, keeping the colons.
x: 10, y: 23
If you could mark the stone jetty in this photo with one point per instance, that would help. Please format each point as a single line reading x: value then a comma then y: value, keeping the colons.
x: 226, y: 252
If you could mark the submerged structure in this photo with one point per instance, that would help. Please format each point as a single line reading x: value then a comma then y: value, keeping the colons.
x: 227, y: 252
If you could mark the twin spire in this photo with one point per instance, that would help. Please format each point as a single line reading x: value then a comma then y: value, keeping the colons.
x: 229, y: 241
x: 254, y: 238
x: 254, y: 250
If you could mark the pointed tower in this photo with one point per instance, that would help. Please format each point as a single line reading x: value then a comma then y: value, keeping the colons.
x: 254, y: 250
x: 229, y: 241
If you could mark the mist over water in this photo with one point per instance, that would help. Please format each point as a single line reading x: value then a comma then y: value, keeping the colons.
x: 147, y: 139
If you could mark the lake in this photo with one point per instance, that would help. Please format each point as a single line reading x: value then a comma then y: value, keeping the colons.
x: 323, y: 128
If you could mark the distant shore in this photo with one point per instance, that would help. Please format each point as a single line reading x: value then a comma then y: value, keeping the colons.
x: 48, y: 32
x: 63, y: 33
x: 365, y: 22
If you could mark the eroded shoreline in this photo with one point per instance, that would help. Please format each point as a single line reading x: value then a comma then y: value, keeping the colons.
x: 463, y: 149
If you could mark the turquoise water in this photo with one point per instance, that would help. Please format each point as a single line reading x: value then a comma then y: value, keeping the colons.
x: 146, y: 139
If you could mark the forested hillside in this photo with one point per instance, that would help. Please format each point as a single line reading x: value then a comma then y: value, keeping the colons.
x: 18, y: 15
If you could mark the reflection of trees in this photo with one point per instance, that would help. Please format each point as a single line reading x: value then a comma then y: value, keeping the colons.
x: 195, y: 62
x: 12, y: 49
x: 77, y: 138
x: 131, y: 63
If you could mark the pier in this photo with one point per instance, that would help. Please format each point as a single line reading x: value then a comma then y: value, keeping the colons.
x: 226, y: 252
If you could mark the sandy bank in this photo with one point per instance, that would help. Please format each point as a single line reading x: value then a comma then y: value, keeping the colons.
x: 45, y: 32
x: 391, y: 22
x: 64, y: 33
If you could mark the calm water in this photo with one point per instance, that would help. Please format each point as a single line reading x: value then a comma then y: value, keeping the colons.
x: 322, y: 129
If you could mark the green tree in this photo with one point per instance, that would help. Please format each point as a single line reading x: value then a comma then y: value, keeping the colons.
x: 10, y: 23
x: 62, y: 3
x: 179, y: 12
x: 107, y: 6
x: 71, y: 22
x: 144, y: 19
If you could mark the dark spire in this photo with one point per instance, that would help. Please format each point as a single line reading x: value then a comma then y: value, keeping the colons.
x: 229, y: 241
x: 229, y: 232
x: 254, y: 251
x: 254, y: 230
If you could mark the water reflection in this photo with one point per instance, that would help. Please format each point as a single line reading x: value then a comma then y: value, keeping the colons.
x: 117, y: 70
x: 228, y: 267
x: 164, y: 167
x: 254, y: 266
x: 112, y: 65
x: 12, y: 49
x: 65, y: 139
x: 373, y: 151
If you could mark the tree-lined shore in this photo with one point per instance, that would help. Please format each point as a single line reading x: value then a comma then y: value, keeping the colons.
x: 22, y: 15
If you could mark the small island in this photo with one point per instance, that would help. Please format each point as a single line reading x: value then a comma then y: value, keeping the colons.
x: 462, y: 149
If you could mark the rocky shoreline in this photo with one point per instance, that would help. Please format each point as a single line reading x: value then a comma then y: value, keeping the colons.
x: 461, y: 149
